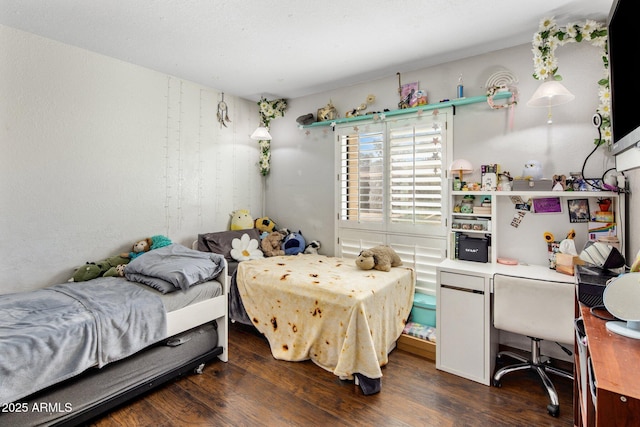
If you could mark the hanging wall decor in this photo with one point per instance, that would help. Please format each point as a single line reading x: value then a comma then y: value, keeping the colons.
x: 269, y: 110
x: 223, y: 112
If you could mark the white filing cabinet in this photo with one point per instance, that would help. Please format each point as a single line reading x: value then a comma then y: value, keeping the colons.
x: 467, y: 344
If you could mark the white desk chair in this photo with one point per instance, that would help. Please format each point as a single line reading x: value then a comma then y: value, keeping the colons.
x: 541, y: 310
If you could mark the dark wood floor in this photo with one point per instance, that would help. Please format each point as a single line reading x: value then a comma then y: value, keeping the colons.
x: 254, y: 389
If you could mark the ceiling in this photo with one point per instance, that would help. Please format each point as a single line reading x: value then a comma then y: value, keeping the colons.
x: 290, y: 48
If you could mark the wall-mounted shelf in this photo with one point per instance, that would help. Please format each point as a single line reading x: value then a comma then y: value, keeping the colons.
x: 428, y: 107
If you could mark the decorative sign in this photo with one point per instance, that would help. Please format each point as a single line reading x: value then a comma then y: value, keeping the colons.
x: 547, y: 205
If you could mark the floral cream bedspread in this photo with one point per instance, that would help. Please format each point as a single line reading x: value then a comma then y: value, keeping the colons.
x: 344, y: 319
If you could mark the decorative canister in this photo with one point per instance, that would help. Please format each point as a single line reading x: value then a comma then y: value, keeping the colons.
x: 466, y: 205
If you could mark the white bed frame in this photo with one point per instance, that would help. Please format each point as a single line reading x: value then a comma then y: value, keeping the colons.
x: 205, y: 311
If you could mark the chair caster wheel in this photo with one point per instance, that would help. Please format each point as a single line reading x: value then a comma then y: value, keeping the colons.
x: 497, y: 383
x: 553, y: 410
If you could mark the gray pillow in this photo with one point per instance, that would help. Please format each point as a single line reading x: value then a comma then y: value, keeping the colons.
x: 220, y: 242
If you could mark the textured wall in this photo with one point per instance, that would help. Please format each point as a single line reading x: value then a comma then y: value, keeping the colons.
x: 96, y: 153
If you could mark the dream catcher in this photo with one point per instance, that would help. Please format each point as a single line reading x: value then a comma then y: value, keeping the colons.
x: 223, y: 112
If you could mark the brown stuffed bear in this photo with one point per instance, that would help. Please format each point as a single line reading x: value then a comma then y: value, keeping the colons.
x: 271, y: 244
x: 379, y: 257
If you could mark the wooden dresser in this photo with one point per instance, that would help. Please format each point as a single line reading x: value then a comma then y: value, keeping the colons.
x: 614, y: 376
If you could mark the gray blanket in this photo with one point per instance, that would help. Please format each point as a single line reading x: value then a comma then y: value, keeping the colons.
x: 174, y: 267
x: 52, y: 334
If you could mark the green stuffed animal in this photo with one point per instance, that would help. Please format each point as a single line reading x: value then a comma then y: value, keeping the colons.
x: 113, y: 266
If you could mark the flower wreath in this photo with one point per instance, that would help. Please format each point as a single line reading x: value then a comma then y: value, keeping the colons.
x: 545, y: 64
x: 269, y: 110
x: 491, y: 92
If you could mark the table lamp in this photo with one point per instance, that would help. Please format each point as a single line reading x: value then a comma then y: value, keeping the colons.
x: 461, y: 166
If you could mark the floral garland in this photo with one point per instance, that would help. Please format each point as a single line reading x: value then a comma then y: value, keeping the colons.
x: 269, y: 110
x: 493, y: 90
x: 545, y: 64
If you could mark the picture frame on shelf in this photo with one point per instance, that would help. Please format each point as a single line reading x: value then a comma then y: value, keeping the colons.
x: 578, y: 210
x: 408, y: 94
x: 547, y: 205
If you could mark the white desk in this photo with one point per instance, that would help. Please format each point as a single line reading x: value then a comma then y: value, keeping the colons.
x: 467, y: 341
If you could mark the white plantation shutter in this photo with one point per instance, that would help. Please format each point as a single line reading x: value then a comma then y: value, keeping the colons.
x: 391, y: 189
x: 362, y: 177
x: 415, y: 174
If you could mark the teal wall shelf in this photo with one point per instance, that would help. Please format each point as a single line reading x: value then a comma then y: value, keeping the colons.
x: 428, y: 107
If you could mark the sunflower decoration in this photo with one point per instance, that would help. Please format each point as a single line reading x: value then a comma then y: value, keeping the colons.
x: 571, y: 234
x: 548, y: 237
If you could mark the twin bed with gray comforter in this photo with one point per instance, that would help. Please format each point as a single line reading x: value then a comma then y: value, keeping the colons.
x: 72, y: 351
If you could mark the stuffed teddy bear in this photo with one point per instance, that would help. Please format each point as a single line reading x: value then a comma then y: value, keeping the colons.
x: 271, y: 244
x: 312, y: 247
x: 293, y: 244
x: 113, y: 266
x: 241, y: 220
x: 379, y: 257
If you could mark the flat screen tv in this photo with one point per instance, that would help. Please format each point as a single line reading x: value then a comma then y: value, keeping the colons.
x: 624, y: 66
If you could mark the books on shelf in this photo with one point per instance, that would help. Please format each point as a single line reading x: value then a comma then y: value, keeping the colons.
x: 424, y: 332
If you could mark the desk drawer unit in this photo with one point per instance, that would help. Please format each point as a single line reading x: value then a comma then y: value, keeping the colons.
x: 463, y: 316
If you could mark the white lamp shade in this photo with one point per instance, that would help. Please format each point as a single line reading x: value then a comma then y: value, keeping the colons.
x: 550, y: 93
x: 461, y: 166
x: 261, y: 134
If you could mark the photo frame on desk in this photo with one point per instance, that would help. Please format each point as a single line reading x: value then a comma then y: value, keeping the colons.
x: 547, y: 205
x: 578, y: 210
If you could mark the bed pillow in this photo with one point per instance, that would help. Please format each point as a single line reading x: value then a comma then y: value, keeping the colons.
x: 221, y: 242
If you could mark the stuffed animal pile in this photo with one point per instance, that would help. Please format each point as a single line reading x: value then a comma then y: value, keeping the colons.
x: 115, y: 265
x: 379, y: 257
x: 274, y: 241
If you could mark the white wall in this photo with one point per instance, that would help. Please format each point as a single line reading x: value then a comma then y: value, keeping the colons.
x: 96, y: 153
x: 301, y: 184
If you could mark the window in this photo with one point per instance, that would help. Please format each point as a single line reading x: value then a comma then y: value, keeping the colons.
x: 362, y: 177
x: 415, y: 174
x: 390, y: 189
